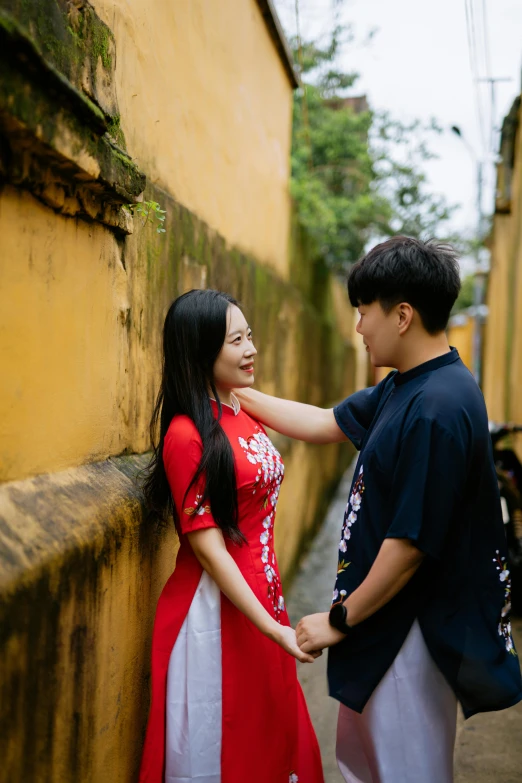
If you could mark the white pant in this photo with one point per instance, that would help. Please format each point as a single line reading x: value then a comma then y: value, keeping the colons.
x: 406, y: 733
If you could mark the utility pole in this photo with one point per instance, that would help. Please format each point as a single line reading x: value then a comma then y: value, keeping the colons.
x: 492, y: 81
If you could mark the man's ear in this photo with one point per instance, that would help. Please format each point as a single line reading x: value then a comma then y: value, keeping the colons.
x: 405, y: 317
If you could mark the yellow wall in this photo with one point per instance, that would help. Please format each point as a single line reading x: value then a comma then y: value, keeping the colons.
x: 495, y: 367
x: 460, y: 336
x: 63, y: 348
x: 502, y: 366
x: 205, y: 105
x: 206, y: 108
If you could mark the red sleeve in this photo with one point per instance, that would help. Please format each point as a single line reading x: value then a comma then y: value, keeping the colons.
x: 181, y: 456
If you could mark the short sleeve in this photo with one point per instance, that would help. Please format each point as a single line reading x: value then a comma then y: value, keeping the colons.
x: 428, y: 482
x: 355, y: 414
x: 182, y: 452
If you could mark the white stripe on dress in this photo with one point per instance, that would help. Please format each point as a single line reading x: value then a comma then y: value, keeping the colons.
x: 194, y: 683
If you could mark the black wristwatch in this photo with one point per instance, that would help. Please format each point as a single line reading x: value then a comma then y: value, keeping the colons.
x: 338, y: 616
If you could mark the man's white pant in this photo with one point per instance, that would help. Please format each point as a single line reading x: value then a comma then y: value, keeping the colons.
x: 406, y: 733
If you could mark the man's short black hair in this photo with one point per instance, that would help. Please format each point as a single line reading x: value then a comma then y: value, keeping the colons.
x: 402, y: 269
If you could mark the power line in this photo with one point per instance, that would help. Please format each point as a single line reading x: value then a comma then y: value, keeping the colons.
x: 475, y: 68
x: 480, y: 62
x: 485, y: 29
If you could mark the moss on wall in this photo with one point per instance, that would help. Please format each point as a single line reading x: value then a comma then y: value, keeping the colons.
x: 72, y: 39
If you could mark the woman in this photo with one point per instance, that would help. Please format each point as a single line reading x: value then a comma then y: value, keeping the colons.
x: 226, y: 704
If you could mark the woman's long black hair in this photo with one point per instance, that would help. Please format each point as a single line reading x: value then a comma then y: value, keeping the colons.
x: 193, y: 335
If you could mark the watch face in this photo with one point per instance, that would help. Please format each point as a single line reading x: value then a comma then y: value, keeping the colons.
x: 338, y: 615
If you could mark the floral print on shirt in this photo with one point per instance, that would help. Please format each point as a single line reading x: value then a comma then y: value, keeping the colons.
x: 198, y: 509
x: 352, y: 507
x: 504, y: 626
x: 350, y: 518
x: 260, y: 451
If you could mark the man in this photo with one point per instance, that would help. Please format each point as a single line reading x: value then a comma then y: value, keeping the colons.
x: 420, y: 613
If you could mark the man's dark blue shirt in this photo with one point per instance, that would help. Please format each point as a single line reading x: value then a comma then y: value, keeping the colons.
x: 426, y: 473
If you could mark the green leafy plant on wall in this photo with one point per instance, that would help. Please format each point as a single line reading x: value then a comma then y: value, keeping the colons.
x: 151, y: 212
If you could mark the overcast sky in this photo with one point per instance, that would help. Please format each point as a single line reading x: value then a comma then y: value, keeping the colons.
x: 418, y: 65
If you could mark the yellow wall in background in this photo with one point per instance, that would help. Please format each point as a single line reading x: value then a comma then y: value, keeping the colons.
x: 495, y: 357
x: 206, y: 108
x: 205, y: 104
x: 64, y: 349
x: 460, y: 336
x: 502, y: 364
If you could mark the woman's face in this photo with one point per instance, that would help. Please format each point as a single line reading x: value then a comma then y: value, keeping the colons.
x: 234, y: 367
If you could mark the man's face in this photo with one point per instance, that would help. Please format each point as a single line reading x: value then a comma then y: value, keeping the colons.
x: 380, y: 333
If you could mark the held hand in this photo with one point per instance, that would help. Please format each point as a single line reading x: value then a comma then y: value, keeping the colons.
x: 286, y: 638
x: 314, y: 632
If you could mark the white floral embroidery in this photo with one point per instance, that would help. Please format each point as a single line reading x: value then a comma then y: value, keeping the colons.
x: 504, y: 626
x: 260, y: 451
x: 356, y: 501
x: 353, y: 505
x: 335, y: 595
x: 293, y: 778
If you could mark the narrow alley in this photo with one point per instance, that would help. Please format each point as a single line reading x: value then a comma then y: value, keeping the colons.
x: 488, y: 746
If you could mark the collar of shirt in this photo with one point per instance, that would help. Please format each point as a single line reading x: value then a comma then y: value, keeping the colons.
x: 235, y: 407
x: 434, y: 364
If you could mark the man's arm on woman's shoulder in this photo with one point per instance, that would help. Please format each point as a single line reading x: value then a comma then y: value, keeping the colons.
x: 294, y: 419
x: 348, y: 421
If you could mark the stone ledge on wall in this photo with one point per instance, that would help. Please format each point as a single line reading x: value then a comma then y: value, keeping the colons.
x: 80, y: 574
x: 60, y: 134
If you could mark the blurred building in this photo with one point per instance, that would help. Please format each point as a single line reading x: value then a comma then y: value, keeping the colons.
x: 502, y: 364
x: 188, y: 106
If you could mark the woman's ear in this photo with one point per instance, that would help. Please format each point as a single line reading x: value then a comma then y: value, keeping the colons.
x: 405, y: 317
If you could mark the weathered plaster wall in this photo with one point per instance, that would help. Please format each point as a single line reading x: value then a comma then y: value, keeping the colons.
x: 206, y: 110
x: 84, y: 288
x: 79, y: 579
x: 502, y: 374
x: 80, y: 570
x: 64, y: 347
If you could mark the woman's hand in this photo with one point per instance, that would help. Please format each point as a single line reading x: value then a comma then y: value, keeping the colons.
x: 286, y: 638
x: 314, y: 632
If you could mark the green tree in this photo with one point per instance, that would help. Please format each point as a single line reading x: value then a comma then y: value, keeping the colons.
x: 466, y: 297
x: 355, y: 176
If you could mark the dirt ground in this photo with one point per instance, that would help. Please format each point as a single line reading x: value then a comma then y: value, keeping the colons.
x: 489, y: 746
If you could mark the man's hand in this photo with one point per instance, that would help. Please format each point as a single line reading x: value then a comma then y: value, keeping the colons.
x: 314, y: 632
